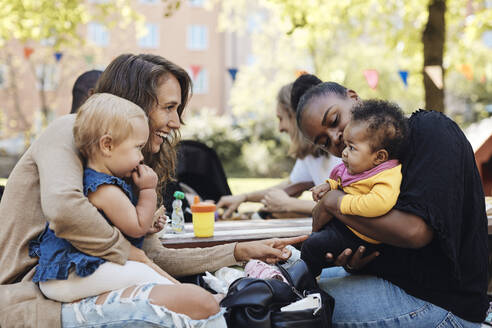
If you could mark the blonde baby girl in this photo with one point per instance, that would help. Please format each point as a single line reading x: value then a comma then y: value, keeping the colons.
x: 109, y: 133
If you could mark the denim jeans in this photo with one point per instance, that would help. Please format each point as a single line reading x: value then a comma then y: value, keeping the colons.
x: 368, y: 301
x: 134, y: 311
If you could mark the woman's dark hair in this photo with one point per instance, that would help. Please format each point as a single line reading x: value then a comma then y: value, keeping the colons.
x: 299, y: 147
x: 387, y: 125
x: 308, y: 87
x: 136, y: 78
x: 300, y: 86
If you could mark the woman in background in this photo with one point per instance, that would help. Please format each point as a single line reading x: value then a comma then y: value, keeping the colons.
x: 311, y: 168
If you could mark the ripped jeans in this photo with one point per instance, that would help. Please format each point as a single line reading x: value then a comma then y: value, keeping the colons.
x: 132, y: 311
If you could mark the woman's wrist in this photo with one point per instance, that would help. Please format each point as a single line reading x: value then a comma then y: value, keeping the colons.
x: 240, y: 253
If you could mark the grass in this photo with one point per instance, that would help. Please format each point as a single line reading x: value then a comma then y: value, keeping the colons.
x: 243, y: 185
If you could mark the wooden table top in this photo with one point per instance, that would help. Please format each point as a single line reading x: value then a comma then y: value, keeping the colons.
x: 239, y: 230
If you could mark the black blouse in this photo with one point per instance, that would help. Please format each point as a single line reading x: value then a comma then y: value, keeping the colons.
x: 442, y: 186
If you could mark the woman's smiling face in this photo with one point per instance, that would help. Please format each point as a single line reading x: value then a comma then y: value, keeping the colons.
x: 325, y: 118
x: 164, y: 116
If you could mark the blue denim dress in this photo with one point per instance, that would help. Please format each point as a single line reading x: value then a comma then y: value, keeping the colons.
x: 57, y: 255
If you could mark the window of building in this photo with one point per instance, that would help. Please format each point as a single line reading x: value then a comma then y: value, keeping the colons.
x: 3, y: 76
x: 197, y: 37
x: 200, y: 82
x: 151, y: 39
x: 196, y: 3
x: 98, y: 34
x: 47, y: 77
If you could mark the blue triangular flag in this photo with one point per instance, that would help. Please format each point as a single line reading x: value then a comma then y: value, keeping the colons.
x: 58, y: 56
x: 404, y: 76
x: 233, y: 72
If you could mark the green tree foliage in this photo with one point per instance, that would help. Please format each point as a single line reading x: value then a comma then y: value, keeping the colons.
x: 337, y: 40
x: 404, y: 23
x: 59, y: 20
x: 55, y: 24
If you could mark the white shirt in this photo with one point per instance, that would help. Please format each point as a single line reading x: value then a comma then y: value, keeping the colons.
x: 315, y: 169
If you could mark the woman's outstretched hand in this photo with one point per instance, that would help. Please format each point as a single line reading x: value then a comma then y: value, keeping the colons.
x: 267, y: 250
x: 352, y: 262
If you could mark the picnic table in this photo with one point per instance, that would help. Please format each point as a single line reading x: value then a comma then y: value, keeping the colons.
x: 238, y: 230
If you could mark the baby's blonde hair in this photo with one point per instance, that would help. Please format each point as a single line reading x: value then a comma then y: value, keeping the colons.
x: 104, y: 114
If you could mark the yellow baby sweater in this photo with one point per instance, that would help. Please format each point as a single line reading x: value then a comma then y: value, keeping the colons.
x: 371, y: 197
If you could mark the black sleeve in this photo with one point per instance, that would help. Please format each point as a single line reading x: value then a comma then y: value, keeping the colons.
x: 440, y: 181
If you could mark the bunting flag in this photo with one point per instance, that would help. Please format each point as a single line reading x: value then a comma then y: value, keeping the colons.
x: 58, y: 56
x: 28, y: 52
x: 233, y: 72
x: 300, y: 72
x: 435, y: 74
x: 89, y: 59
x: 404, y: 77
x: 195, y: 70
x: 466, y: 70
x: 372, y: 78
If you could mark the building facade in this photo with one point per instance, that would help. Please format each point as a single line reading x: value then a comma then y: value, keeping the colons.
x: 189, y: 37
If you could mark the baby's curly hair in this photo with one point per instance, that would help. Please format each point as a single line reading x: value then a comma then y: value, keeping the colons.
x: 388, y: 127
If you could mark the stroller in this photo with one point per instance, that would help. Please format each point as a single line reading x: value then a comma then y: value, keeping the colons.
x: 199, y: 171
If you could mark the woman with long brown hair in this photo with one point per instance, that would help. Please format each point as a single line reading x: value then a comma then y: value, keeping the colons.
x: 46, y: 186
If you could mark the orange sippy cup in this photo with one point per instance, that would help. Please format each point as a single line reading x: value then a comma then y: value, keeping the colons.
x: 203, y: 215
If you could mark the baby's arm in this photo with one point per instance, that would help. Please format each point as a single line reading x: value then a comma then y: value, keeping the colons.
x: 134, y: 221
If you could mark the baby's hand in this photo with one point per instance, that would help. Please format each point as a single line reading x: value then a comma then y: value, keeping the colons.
x: 144, y: 177
x: 159, y: 220
x: 320, y: 190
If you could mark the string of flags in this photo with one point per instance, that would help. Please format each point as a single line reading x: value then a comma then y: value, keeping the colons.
x: 196, y: 69
x: 434, y: 72
x: 28, y: 51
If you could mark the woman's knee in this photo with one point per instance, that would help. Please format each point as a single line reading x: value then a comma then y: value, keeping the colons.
x: 188, y: 299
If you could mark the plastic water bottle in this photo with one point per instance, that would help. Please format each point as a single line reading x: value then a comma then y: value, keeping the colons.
x: 177, y: 217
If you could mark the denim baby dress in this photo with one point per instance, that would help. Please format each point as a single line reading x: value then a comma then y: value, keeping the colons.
x: 57, y: 255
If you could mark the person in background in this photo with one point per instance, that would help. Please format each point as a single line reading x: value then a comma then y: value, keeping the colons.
x: 311, y: 168
x: 83, y: 88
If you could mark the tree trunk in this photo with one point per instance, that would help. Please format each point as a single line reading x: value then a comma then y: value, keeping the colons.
x: 433, y: 40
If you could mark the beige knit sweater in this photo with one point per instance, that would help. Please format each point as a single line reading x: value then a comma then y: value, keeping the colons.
x: 46, y: 186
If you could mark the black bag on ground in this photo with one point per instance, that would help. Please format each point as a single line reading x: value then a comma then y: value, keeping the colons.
x: 253, y: 302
